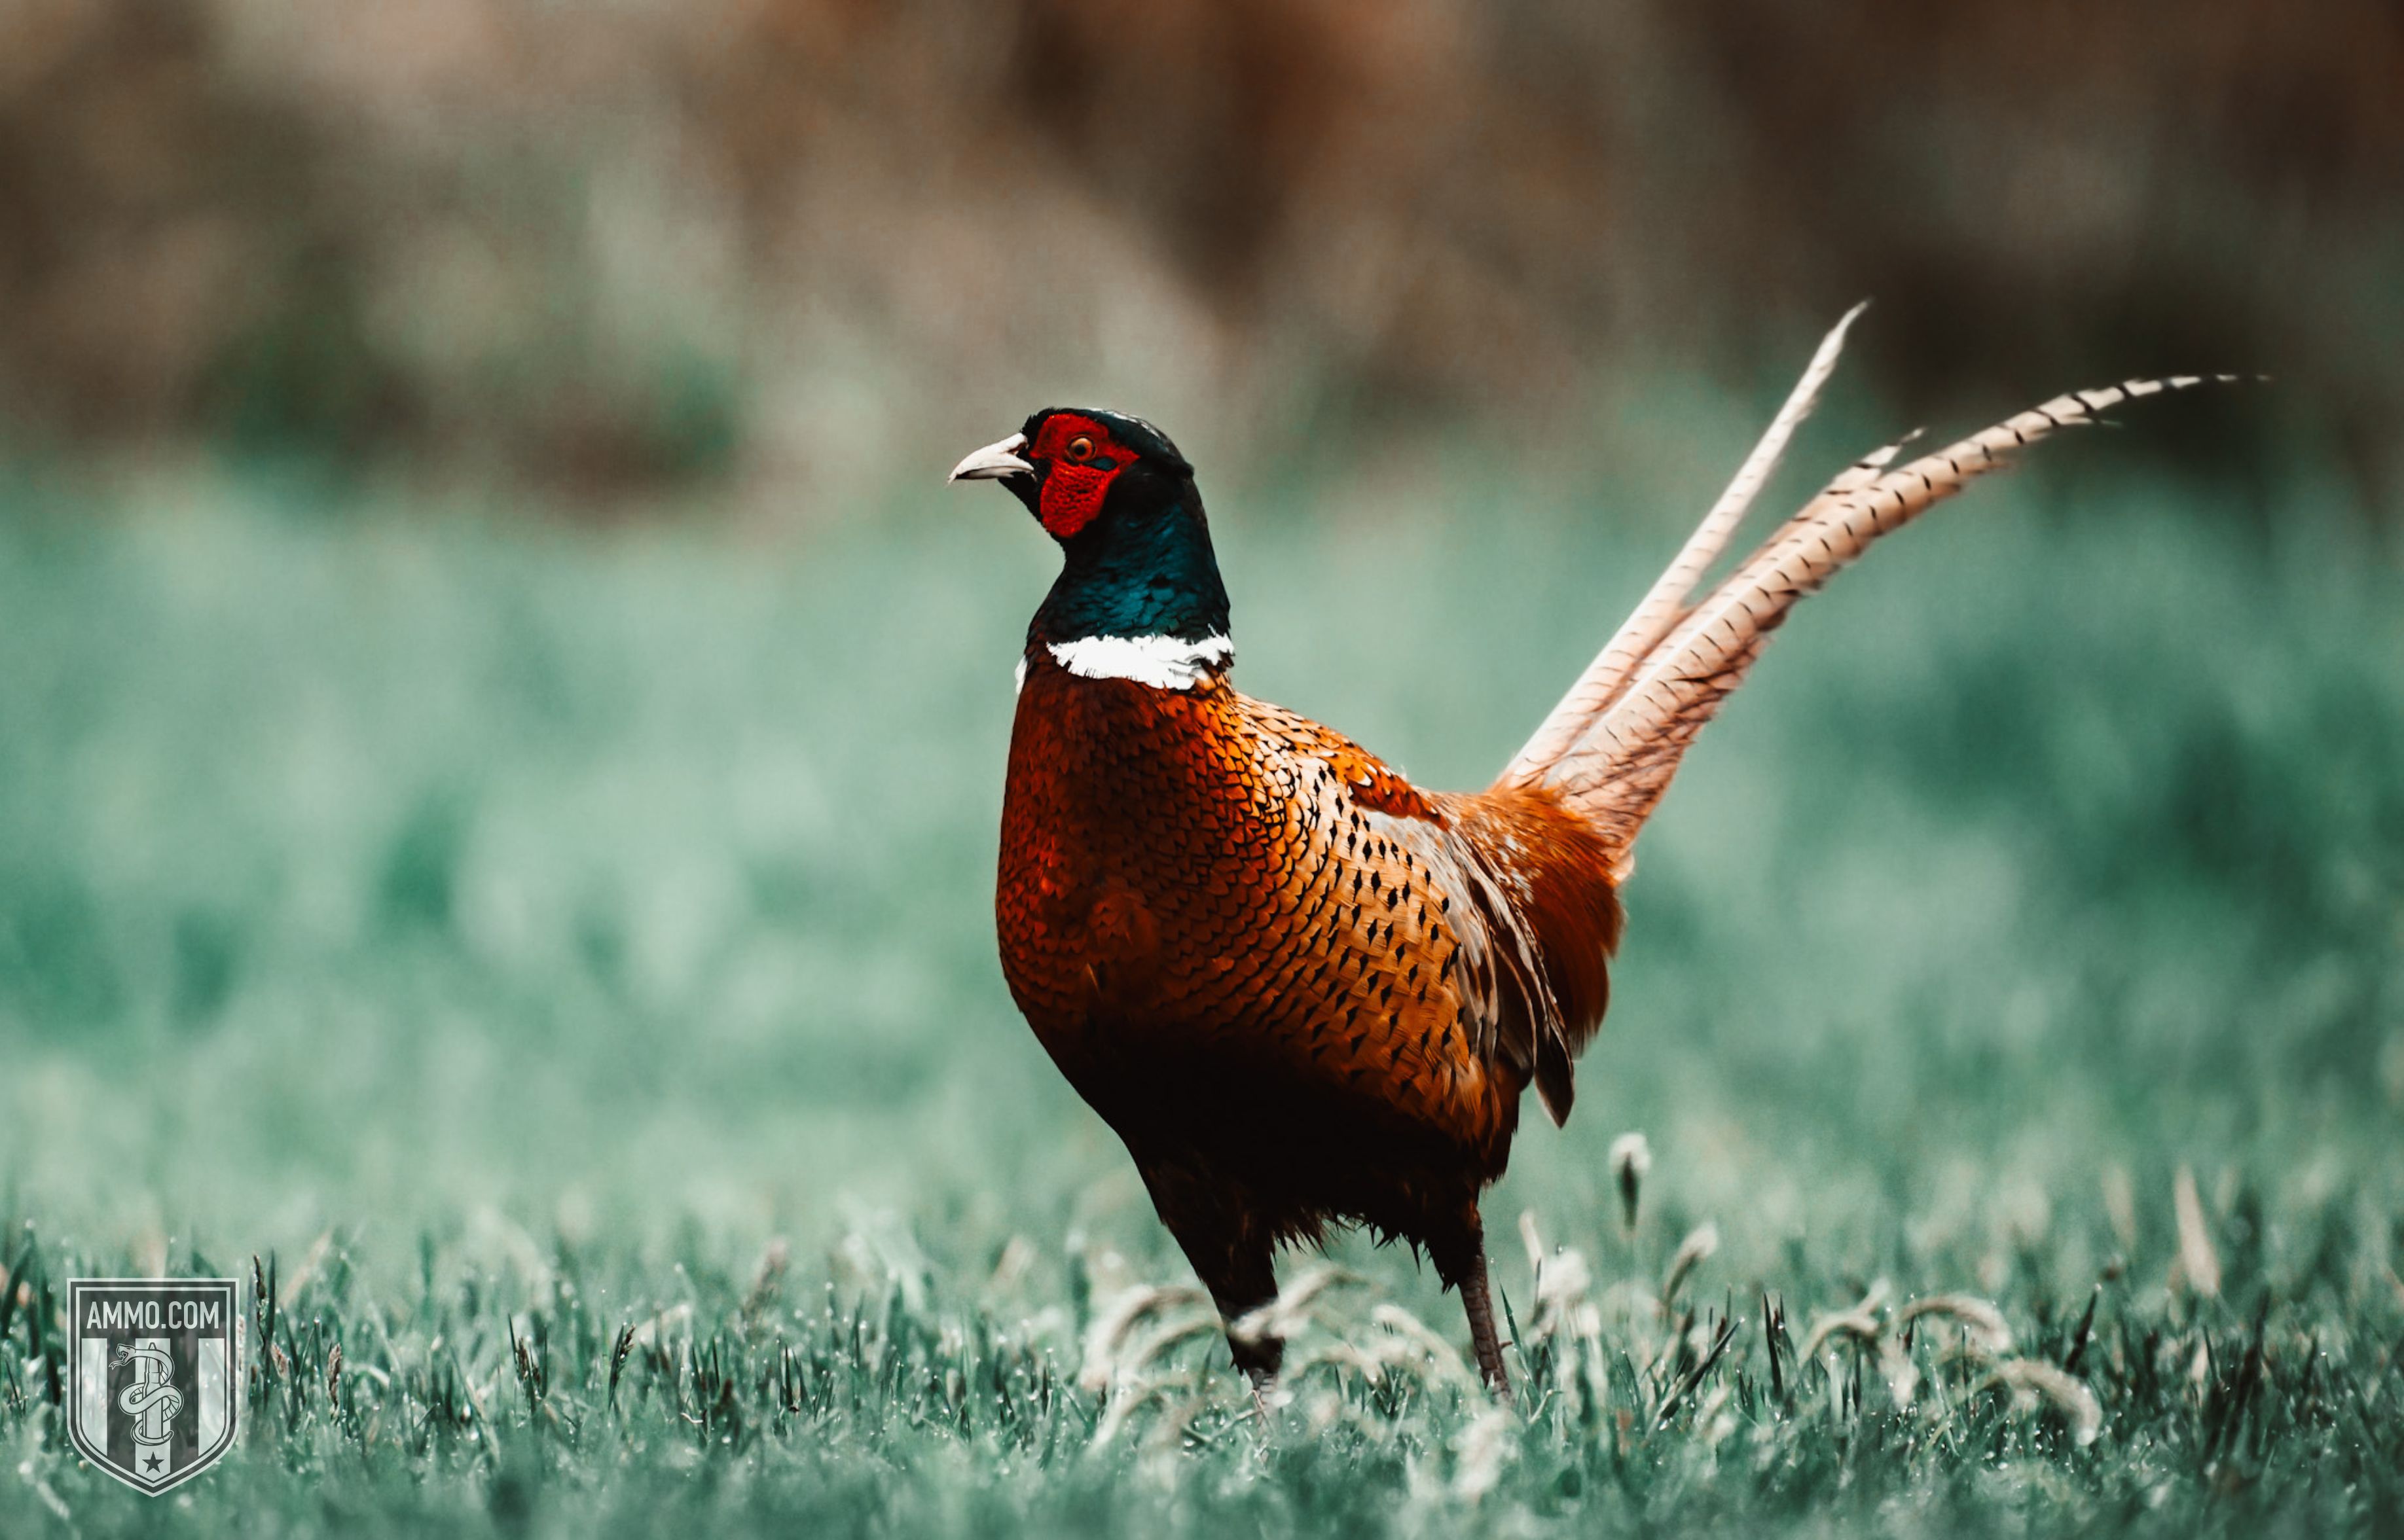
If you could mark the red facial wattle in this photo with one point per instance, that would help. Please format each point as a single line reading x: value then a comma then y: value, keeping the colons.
x: 1075, y: 484
x: 1072, y: 496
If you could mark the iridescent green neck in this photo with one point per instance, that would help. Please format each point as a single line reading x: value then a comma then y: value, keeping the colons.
x: 1143, y: 569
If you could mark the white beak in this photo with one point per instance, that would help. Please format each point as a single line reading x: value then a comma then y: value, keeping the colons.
x: 993, y: 461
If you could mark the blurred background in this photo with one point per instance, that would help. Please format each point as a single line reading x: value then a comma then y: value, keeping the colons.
x: 782, y: 244
x: 501, y: 725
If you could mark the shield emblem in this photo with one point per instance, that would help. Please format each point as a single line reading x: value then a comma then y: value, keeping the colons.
x: 152, y: 1379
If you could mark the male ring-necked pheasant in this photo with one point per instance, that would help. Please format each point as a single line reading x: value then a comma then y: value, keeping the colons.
x: 1301, y: 990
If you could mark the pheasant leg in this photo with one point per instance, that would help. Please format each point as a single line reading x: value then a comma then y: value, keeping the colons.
x: 1479, y: 1302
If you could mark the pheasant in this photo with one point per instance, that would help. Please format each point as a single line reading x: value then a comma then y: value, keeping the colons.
x: 1302, y: 990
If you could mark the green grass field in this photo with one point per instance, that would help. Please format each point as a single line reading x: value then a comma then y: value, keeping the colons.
x: 564, y: 960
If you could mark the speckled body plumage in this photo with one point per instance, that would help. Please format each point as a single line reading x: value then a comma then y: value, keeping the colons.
x: 1300, y: 989
x: 1272, y: 967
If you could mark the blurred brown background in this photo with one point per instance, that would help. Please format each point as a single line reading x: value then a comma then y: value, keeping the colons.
x: 607, y: 250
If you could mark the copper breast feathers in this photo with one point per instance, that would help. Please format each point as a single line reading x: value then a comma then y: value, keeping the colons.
x: 1194, y: 872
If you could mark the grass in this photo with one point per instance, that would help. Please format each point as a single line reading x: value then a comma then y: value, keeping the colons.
x: 563, y: 961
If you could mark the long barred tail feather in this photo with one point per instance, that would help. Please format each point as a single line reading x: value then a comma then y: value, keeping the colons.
x: 1662, y: 605
x: 1616, y: 770
x: 1853, y: 479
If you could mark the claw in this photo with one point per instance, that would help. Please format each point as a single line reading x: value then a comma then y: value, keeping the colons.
x: 1266, y: 1399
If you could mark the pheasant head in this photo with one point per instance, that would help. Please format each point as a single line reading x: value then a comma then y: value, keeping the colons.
x: 1138, y: 593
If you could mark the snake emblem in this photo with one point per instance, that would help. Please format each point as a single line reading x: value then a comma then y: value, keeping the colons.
x: 152, y: 1399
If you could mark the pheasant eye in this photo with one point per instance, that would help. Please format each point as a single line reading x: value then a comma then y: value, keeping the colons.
x: 1080, y: 448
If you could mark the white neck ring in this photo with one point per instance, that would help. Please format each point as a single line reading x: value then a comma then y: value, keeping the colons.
x: 1163, y: 662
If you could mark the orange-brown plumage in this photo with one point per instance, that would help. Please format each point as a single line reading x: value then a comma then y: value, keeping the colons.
x: 1301, y: 990
x: 1205, y: 872
x: 1250, y: 947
